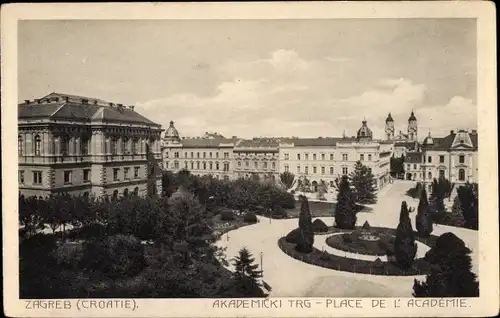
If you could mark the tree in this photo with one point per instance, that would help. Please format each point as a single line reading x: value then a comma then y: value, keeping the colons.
x: 397, y: 166
x: 437, y: 200
x: 30, y: 216
x: 246, y: 273
x: 468, y: 198
x: 423, y: 220
x: 364, y: 184
x: 322, y: 189
x: 287, y: 179
x: 345, y: 213
x: 306, y: 239
x: 405, y: 247
x: 450, y: 274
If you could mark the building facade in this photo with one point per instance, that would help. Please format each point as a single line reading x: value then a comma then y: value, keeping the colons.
x: 83, y: 146
x: 403, y: 142
x: 257, y: 159
x: 453, y: 157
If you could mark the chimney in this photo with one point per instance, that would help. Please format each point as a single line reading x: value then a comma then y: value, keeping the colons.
x: 452, y: 132
x: 474, y: 132
x: 119, y: 105
x: 66, y: 98
x: 26, y: 101
x: 95, y: 101
x: 131, y: 107
x: 38, y: 101
x: 110, y: 104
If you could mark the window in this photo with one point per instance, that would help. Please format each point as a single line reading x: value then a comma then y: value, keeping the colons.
x: 226, y: 155
x: 331, y: 156
x: 322, y: 170
x: 216, y: 155
x: 19, y: 145
x: 84, y: 146
x: 204, y: 154
x: 287, y: 168
x: 274, y: 165
x: 38, y: 145
x: 314, y: 169
x: 125, y: 173
x: 86, y: 175
x: 125, y: 149
x: 37, y: 177
x: 362, y: 157
x: 369, y: 157
x: 461, y: 174
x: 286, y: 156
x: 307, y: 170
x: 239, y: 163
x: 125, y: 192
x: 198, y: 165
x: 204, y: 166
x: 210, y: 155
x: 331, y: 170
x: 414, y: 166
x: 176, y: 155
x: 429, y: 159
x: 114, y: 142
x: 216, y: 166
x: 226, y: 167
x: 265, y: 165
x: 136, y: 172
x: 115, y: 174
x: 197, y: 155
x: 306, y: 156
x: 369, y: 170
x: 256, y: 164
x: 298, y: 169
x: 192, y: 154
x: 185, y: 155
x: 185, y: 165
x: 429, y: 175
x: 136, y: 191
x: 322, y: 156
x: 192, y: 165
x: 441, y: 173
x: 344, y: 170
x: 211, y: 164
x: 298, y: 156
x: 314, y: 156
x: 332, y: 184
x: 67, y: 177
x: 247, y: 163
x: 344, y: 157
x: 441, y: 159
x: 21, y: 177
x: 461, y: 159
x: 176, y: 164
x: 408, y: 167
x: 65, y: 146
x: 166, y: 154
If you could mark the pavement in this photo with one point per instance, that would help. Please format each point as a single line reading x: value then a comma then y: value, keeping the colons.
x: 289, y: 277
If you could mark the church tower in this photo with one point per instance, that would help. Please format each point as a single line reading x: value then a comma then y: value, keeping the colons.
x: 412, y: 127
x: 389, y: 128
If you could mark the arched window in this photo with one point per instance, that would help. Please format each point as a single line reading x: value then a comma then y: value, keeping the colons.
x: 65, y: 146
x: 38, y: 145
x: 86, y: 194
x: 115, y: 195
x: 461, y: 174
x: 429, y: 175
x: 125, y: 192
x: 20, y: 145
x: 136, y: 191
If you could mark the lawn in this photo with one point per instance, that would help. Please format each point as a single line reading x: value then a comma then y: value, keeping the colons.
x: 319, y: 209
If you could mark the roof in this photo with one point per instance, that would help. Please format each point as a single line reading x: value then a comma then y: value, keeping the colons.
x: 258, y: 143
x: 205, y: 142
x: 412, y: 116
x: 447, y: 142
x: 321, y: 142
x: 55, y: 106
x: 389, y: 118
x: 413, y: 157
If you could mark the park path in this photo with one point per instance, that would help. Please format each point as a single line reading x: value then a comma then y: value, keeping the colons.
x: 292, y: 278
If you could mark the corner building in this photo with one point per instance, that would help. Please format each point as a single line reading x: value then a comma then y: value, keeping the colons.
x: 83, y: 146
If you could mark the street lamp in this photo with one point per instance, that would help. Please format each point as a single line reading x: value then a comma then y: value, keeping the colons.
x: 261, y: 254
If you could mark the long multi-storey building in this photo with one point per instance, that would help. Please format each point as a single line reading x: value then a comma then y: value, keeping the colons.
x: 453, y: 157
x: 81, y: 145
x: 318, y: 159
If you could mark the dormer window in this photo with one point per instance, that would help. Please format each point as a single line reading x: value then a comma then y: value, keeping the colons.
x: 85, y: 101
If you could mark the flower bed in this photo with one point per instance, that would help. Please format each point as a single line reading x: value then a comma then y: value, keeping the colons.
x: 351, y: 242
x: 340, y: 263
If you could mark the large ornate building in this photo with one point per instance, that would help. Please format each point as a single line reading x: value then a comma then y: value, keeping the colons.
x: 82, y: 145
x: 320, y: 159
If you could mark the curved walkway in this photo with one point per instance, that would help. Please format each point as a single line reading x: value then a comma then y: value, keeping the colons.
x: 292, y: 278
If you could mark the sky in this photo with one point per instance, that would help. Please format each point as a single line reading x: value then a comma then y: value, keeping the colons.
x: 254, y: 78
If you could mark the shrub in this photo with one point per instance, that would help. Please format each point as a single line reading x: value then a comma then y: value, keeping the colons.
x: 68, y: 255
x: 87, y: 232
x: 227, y: 215
x: 319, y: 226
x: 279, y: 213
x: 250, y: 218
x: 366, y: 225
x: 116, y: 256
x: 347, y: 238
x: 383, y: 245
x: 293, y: 236
x: 325, y: 256
x: 378, y: 263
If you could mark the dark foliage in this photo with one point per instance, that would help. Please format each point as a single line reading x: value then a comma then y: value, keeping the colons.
x: 227, y: 215
x: 450, y: 274
x: 287, y: 179
x: 345, y: 214
x: 306, y: 237
x: 250, y: 217
x: 364, y: 184
x: 468, y: 198
x: 423, y: 219
x: 293, y: 236
x: 405, y: 247
x: 439, y: 192
x: 247, y: 274
x: 319, y: 226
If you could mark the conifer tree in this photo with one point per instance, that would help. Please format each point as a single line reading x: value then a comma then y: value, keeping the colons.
x: 405, y: 247
x: 423, y: 220
x: 437, y: 200
x: 345, y: 214
x: 364, y: 184
x: 467, y: 195
x: 246, y: 273
x: 306, y: 239
x: 451, y: 274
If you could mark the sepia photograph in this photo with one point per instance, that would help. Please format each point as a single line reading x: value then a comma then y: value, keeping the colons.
x: 334, y: 158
